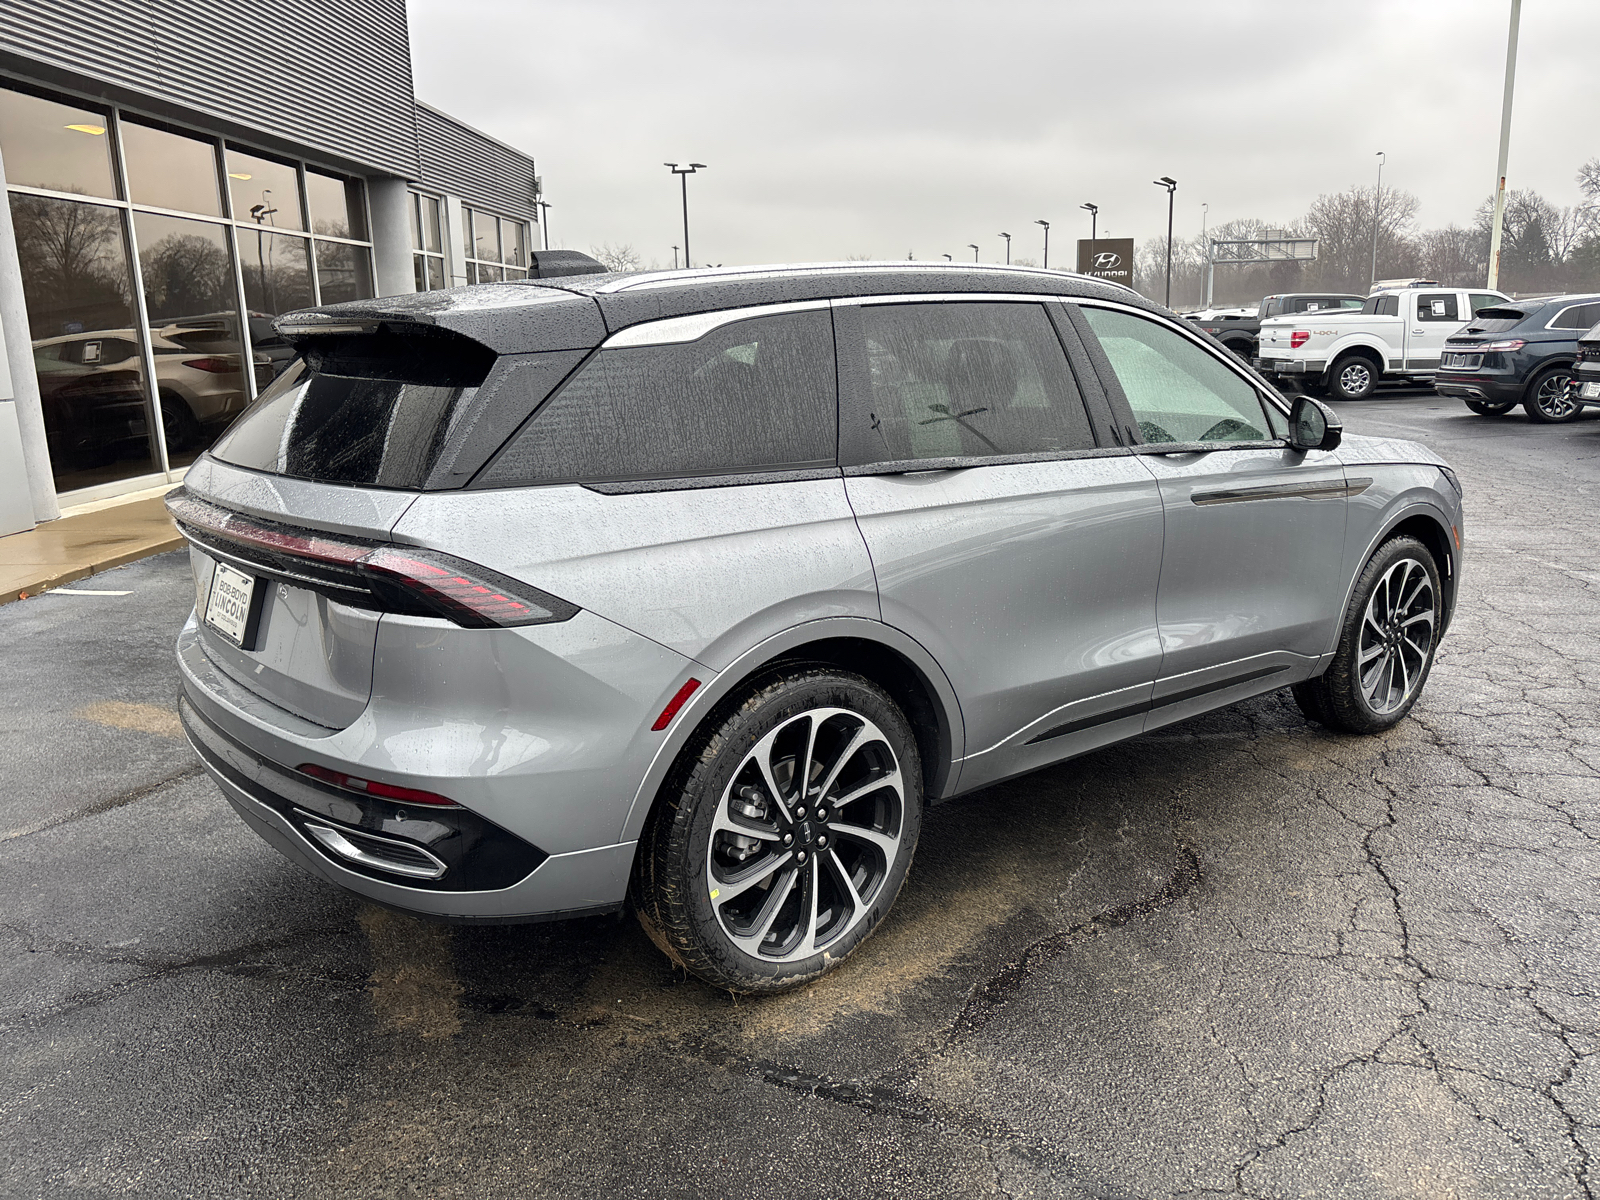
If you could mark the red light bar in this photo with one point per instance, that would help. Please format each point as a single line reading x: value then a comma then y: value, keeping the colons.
x: 371, y: 787
x: 673, y: 705
x: 457, y: 592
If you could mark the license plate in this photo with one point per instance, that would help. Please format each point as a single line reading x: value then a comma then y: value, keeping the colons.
x: 1465, y: 361
x: 1590, y: 391
x: 231, y: 604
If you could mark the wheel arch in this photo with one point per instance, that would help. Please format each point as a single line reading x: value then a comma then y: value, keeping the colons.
x: 1432, y: 528
x: 891, y: 659
x: 1360, y: 349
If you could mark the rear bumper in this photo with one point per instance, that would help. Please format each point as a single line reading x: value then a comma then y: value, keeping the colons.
x: 1478, y: 387
x: 1291, y: 366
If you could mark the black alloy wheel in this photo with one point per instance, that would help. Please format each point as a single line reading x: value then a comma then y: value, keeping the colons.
x: 1353, y: 378
x: 1386, y: 643
x: 780, y: 843
x: 178, y: 425
x: 1549, y: 397
x: 1491, y: 408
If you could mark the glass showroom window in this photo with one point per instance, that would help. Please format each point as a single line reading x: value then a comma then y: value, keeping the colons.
x: 102, y: 198
x: 497, y: 248
x: 427, y: 241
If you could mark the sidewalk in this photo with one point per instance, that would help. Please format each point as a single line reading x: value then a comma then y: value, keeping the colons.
x: 95, y: 538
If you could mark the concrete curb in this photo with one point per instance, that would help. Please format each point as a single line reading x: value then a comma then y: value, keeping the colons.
x: 76, y: 572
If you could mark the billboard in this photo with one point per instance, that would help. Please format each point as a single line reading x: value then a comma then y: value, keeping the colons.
x: 1107, y: 258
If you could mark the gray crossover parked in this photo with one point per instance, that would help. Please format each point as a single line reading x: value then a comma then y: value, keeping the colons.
x: 689, y: 590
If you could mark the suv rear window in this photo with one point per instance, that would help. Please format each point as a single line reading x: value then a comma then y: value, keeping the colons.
x: 755, y: 395
x: 368, y: 409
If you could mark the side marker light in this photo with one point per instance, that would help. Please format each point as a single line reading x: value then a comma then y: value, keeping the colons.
x: 673, y: 705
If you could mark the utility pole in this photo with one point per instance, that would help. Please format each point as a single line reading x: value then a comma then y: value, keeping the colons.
x: 683, y: 173
x: 1377, y: 200
x: 1171, y: 185
x: 1046, y: 225
x: 1505, y: 146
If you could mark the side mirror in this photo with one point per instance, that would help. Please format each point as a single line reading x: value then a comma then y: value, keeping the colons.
x: 1314, y: 426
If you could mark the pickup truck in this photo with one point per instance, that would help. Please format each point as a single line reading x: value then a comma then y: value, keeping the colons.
x: 1238, y: 328
x: 1396, y: 335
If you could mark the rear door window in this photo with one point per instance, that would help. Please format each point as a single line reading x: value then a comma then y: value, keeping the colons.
x: 1437, y: 306
x: 966, y: 380
x: 1179, y: 391
x: 755, y: 395
x: 1577, y: 316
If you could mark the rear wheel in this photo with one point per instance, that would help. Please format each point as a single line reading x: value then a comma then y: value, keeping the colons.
x: 1549, y: 400
x: 1353, y: 378
x: 778, y: 848
x: 178, y: 425
x: 1386, y: 645
x: 1242, y: 349
x: 1491, y: 408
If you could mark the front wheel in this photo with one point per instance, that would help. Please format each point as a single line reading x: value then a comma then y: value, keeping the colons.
x: 778, y: 848
x: 1491, y: 408
x: 1549, y: 400
x: 1352, y: 378
x: 1386, y: 644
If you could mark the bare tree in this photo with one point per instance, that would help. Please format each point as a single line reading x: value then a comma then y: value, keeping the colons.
x: 618, y: 258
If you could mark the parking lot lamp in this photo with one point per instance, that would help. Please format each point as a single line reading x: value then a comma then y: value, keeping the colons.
x: 1046, y: 225
x: 1094, y: 219
x: 947, y: 258
x: 974, y: 248
x: 1007, y: 237
x: 544, y: 222
x: 1171, y: 185
x: 1377, y: 200
x: 683, y: 173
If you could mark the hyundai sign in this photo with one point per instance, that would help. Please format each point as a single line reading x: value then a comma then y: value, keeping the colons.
x: 1107, y: 258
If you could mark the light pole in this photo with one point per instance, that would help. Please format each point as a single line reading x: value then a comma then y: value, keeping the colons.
x: 683, y: 173
x: 1094, y: 229
x: 1505, y: 146
x: 947, y: 258
x: 544, y: 222
x: 674, y: 258
x: 1377, y: 201
x: 1171, y: 185
x: 1046, y: 225
x: 974, y: 248
x: 1205, y: 278
x: 1007, y: 237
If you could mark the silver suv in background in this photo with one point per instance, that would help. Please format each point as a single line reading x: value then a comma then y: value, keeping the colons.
x: 692, y: 589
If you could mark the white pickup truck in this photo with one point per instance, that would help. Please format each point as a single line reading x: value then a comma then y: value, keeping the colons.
x: 1397, y: 334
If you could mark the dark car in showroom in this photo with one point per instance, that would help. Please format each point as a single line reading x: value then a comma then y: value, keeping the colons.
x: 1519, y: 353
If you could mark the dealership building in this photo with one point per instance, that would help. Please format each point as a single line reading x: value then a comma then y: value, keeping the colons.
x: 176, y: 176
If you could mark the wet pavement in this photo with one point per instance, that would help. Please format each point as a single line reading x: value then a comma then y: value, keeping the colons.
x: 1240, y: 956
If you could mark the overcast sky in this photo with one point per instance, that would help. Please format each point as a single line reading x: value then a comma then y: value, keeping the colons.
x: 882, y: 127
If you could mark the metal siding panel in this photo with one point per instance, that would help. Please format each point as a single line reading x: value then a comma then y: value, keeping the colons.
x: 321, y: 74
x: 463, y: 162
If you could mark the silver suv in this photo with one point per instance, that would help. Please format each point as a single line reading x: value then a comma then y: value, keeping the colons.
x: 690, y: 590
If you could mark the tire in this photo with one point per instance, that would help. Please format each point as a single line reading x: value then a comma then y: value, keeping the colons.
x: 1353, y: 377
x: 1242, y: 350
x: 178, y: 425
x: 719, y: 889
x: 1548, y: 400
x: 1390, y: 629
x: 1491, y: 408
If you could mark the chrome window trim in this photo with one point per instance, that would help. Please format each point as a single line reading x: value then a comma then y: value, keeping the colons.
x: 912, y: 466
x: 945, y: 298
x: 1261, y: 389
x: 672, y: 331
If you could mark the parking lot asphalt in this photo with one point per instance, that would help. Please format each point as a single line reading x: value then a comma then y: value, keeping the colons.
x: 1239, y: 956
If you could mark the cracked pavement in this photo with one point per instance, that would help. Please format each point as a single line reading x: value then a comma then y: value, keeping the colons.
x: 1241, y: 956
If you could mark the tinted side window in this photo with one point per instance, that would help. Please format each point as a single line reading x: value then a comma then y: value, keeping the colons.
x: 1579, y: 316
x: 955, y: 380
x: 755, y: 395
x: 1178, y: 391
x: 1484, y: 300
x: 1437, y: 306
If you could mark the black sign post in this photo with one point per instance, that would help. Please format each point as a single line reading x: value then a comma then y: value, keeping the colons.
x: 1107, y: 258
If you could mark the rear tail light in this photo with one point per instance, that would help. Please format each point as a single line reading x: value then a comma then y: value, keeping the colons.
x: 1508, y: 344
x: 217, y: 366
x: 385, y: 791
x: 392, y: 578
x: 1299, y: 338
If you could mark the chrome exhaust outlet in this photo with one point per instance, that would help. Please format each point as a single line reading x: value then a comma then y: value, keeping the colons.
x: 378, y: 853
